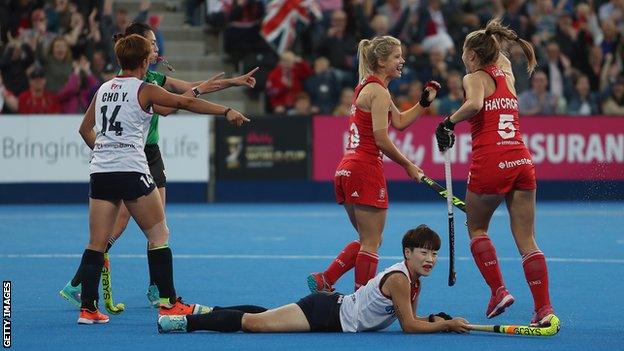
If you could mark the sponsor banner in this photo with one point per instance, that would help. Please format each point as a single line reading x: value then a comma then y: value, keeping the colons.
x: 48, y: 149
x: 266, y: 148
x: 563, y: 148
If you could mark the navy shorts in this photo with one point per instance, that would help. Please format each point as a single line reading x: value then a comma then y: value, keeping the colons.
x: 120, y: 185
x: 322, y: 310
x: 156, y: 165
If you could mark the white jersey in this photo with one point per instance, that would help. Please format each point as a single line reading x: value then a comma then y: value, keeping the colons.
x: 368, y: 309
x: 121, y: 128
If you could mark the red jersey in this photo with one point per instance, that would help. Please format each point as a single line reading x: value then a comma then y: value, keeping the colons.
x: 496, y: 128
x: 46, y: 103
x: 361, y: 144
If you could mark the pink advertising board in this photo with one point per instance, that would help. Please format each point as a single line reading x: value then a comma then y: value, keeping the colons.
x: 563, y: 148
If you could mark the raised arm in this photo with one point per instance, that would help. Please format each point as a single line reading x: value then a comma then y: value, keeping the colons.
x: 401, y: 120
x: 213, y: 84
x: 398, y: 288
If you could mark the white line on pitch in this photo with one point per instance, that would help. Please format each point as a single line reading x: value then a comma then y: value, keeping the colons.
x: 298, y: 257
x: 236, y: 213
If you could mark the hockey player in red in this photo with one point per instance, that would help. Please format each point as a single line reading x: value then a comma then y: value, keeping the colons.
x: 359, y: 181
x: 501, y: 168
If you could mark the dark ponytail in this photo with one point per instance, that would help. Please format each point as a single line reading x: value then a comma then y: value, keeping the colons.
x: 139, y: 28
x: 117, y: 36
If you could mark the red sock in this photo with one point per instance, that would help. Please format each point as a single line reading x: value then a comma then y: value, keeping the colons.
x: 484, y: 255
x: 365, y: 267
x: 343, y: 262
x: 536, y: 274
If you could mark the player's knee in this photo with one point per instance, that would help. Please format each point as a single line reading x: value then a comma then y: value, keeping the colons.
x: 252, y: 323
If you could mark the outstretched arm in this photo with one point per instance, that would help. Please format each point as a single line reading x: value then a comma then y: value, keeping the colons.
x: 154, y: 95
x: 398, y: 288
x: 213, y: 84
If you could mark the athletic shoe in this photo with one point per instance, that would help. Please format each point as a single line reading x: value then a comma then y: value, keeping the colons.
x: 318, y: 283
x: 499, y: 302
x: 92, y: 317
x: 542, y: 317
x: 153, y: 296
x: 167, y: 324
x: 181, y: 308
x: 72, y: 294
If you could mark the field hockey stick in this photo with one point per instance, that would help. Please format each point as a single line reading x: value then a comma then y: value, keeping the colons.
x: 519, y: 329
x: 451, y: 219
x: 107, y: 289
x: 432, y: 184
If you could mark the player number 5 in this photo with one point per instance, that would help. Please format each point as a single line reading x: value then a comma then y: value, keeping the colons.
x: 506, y: 128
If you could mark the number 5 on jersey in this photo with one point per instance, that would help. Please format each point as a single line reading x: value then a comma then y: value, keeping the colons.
x: 506, y: 128
x: 111, y: 125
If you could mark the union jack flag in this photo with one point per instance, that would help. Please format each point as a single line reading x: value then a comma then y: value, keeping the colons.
x: 280, y: 22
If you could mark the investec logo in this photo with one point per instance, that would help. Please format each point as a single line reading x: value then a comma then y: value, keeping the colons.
x: 515, y: 163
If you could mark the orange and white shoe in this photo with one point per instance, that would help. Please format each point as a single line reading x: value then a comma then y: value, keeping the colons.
x: 317, y: 283
x: 92, y: 317
x: 181, y: 308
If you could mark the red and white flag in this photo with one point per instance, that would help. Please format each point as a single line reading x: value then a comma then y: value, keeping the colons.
x: 280, y: 22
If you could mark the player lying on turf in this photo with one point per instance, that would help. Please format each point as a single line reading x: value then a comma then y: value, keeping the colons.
x: 390, y: 295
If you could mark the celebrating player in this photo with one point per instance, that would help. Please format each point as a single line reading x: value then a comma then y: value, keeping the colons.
x: 120, y: 174
x: 392, y: 294
x: 359, y: 181
x: 72, y: 289
x: 501, y: 168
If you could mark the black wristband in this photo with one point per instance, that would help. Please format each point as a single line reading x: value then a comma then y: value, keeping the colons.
x: 226, y: 111
x: 424, y: 99
x: 448, y: 124
x: 196, y: 92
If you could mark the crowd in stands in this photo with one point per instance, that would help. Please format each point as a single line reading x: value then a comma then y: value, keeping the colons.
x: 578, y: 43
x: 55, y: 53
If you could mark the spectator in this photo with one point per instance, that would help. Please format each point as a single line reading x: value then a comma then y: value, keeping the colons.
x: 17, y: 57
x: 343, y: 108
x: 543, y: 18
x: 538, y: 100
x: 338, y: 45
x: 60, y: 17
x: 57, y: 64
x: 38, y: 37
x: 433, y: 29
x: 611, y: 38
x: 447, y: 105
x: 613, y: 10
x: 98, y: 62
x: 323, y: 86
x: 37, y: 100
x: 558, y: 70
x: 518, y: 66
x: 378, y: 24
x: 242, y: 34
x: 154, y: 22
x: 8, y: 101
x: 303, y: 105
x: 583, y: 101
x: 192, y: 12
x: 117, y: 23
x: 285, y: 81
x: 74, y: 96
x: 614, y: 104
x: 414, y: 91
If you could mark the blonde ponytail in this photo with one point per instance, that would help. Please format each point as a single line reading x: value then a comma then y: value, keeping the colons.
x: 363, y: 55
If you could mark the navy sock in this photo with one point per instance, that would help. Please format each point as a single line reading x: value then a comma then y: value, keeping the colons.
x: 90, y: 271
x: 242, y: 308
x: 221, y: 320
x: 160, y: 262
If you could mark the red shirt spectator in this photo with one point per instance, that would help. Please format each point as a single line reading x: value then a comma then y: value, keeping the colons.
x: 286, y: 80
x: 36, y: 99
